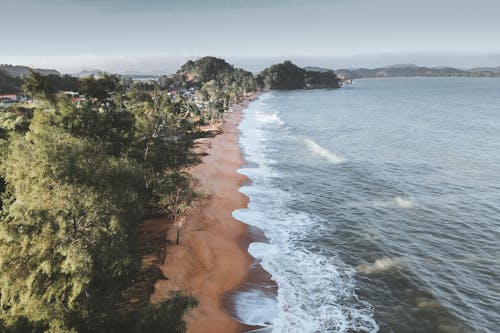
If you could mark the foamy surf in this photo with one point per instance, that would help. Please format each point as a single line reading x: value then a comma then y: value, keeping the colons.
x: 322, y: 151
x: 408, y: 224
x: 396, y: 202
x: 379, y: 266
x: 270, y: 118
x: 316, y: 292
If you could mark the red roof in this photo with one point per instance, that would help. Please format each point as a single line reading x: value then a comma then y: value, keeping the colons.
x: 9, y: 96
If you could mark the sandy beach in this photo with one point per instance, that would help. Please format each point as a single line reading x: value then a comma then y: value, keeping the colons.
x: 211, y: 258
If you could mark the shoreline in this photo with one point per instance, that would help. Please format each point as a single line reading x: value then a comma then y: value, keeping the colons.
x: 212, y: 257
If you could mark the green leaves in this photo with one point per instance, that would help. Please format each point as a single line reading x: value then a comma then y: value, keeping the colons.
x: 76, y: 189
x: 100, y: 87
x: 38, y: 86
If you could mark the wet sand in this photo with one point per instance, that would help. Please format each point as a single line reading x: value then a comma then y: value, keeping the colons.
x: 212, y: 257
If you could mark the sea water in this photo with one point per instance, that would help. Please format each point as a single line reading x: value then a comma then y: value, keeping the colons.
x: 381, y: 203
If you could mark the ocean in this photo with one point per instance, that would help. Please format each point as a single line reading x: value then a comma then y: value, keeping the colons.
x: 381, y: 203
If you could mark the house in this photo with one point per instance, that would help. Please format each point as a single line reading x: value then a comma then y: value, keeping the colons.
x: 68, y: 93
x: 9, y: 97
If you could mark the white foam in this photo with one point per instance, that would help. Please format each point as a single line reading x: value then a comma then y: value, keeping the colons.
x: 380, y: 265
x: 396, y: 202
x: 255, y: 307
x: 270, y: 118
x: 315, y: 291
x: 322, y: 151
x: 404, y: 202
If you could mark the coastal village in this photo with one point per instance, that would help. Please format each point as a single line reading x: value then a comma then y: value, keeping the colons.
x: 10, y: 99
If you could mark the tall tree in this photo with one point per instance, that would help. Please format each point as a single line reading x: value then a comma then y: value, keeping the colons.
x: 38, y: 86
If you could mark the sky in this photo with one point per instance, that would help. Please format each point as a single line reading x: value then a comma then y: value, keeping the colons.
x: 159, y: 35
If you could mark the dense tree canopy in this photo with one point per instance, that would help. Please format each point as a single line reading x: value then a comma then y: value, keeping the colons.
x: 77, y: 177
x: 12, y: 85
x: 100, y: 88
x: 63, y: 83
x: 77, y: 182
x: 211, y: 69
x: 38, y: 86
x: 8, y: 84
x: 288, y: 76
x: 321, y: 79
x: 206, y: 69
x: 285, y: 76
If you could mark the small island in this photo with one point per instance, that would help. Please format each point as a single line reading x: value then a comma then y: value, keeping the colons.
x: 288, y: 76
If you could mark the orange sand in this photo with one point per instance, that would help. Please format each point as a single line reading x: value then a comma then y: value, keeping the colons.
x: 211, y: 258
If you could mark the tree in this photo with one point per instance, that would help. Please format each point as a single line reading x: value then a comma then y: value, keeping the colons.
x: 63, y: 83
x: 283, y: 76
x: 8, y: 84
x: 99, y: 88
x: 321, y: 79
x: 38, y: 86
x: 288, y: 76
x: 65, y: 241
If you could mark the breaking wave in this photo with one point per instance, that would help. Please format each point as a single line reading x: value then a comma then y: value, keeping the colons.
x: 396, y: 202
x: 380, y: 265
x: 270, y: 118
x: 322, y: 151
x: 316, y: 291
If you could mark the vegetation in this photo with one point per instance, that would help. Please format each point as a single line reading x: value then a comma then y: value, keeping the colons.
x: 285, y: 76
x: 24, y: 71
x: 217, y: 84
x: 408, y: 70
x: 78, y: 176
x: 63, y: 83
x: 12, y: 85
x: 288, y: 76
x: 99, y: 88
x: 321, y: 79
x: 39, y: 86
x: 77, y: 181
x: 9, y: 84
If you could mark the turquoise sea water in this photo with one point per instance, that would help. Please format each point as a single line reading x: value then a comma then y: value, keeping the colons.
x: 381, y: 201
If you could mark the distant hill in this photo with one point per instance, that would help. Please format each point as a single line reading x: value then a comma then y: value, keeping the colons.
x: 206, y: 69
x: 140, y: 76
x: 402, y: 66
x: 317, y: 69
x: 209, y: 70
x: 12, y: 84
x: 89, y: 72
x: 126, y: 75
x: 485, y: 69
x: 288, y: 76
x: 19, y: 71
x: 414, y: 71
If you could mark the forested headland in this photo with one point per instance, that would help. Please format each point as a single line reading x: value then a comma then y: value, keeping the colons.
x: 80, y: 171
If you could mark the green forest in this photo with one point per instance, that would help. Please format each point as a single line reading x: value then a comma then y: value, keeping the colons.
x: 77, y: 178
x: 288, y: 76
x: 77, y: 181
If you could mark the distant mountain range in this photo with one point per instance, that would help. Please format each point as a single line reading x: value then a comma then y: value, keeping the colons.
x: 88, y: 72
x: 19, y: 71
x: 11, y: 75
x: 486, y: 69
x: 126, y: 74
x: 410, y: 70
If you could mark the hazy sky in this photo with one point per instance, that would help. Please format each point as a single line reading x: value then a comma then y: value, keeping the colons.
x: 152, y: 35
